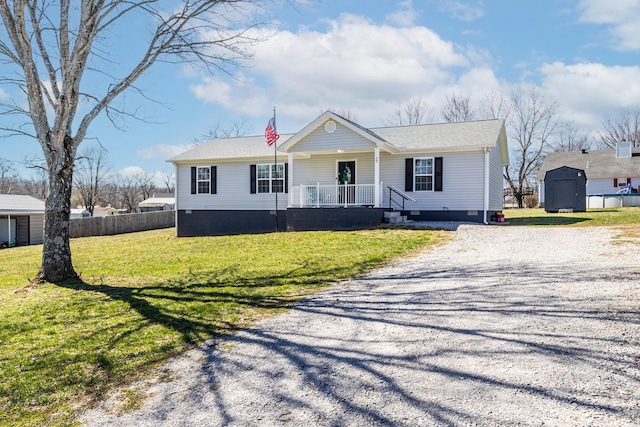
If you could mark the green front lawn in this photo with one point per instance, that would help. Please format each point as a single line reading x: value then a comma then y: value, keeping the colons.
x: 146, y: 296
x: 592, y: 217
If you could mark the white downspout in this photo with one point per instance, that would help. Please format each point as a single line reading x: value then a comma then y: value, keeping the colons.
x: 486, y: 184
x: 290, y: 161
x: 376, y: 177
x: 175, y: 194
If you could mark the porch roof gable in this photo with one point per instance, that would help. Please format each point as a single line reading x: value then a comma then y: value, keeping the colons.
x: 327, y: 116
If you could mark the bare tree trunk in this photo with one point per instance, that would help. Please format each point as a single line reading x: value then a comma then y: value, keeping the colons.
x: 56, y: 251
x: 46, y: 48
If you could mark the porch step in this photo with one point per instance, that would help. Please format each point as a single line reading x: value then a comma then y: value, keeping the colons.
x: 395, y: 217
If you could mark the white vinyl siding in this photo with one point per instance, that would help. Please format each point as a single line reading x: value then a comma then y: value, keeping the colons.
x: 323, y: 168
x: 462, y: 181
x: 233, y: 189
x: 602, y: 186
x: 496, y: 180
x: 341, y: 139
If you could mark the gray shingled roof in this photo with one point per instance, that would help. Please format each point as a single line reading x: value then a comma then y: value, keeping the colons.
x: 598, y: 164
x: 231, y: 148
x: 11, y: 204
x: 482, y: 133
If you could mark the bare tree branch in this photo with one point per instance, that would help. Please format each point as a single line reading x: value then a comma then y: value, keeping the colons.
x: 622, y: 125
x: 457, y: 108
x: 415, y: 112
x: 570, y: 138
x: 61, y: 40
x: 532, y: 123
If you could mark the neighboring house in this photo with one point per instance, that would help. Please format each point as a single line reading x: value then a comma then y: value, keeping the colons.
x: 159, y: 202
x: 79, y: 213
x: 608, y: 171
x: 447, y: 171
x: 107, y: 211
x: 21, y: 220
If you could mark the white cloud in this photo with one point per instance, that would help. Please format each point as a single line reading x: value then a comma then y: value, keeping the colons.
x: 354, y: 64
x: 3, y: 94
x: 162, y: 151
x: 464, y: 11
x: 130, y: 171
x: 622, y: 16
x: 587, y: 91
x: 405, y: 16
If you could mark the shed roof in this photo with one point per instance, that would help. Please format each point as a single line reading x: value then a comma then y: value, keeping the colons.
x: 597, y: 164
x: 14, y: 204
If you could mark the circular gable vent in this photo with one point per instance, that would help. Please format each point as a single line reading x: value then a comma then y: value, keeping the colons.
x: 330, y: 126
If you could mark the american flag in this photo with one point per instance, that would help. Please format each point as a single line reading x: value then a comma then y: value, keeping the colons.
x: 270, y: 134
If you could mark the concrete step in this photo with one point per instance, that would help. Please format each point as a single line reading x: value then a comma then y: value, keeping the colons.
x: 397, y: 219
x: 393, y: 214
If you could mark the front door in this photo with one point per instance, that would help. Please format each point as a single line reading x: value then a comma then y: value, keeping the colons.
x: 347, y: 174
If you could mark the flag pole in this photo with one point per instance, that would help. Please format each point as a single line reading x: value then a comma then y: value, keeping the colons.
x: 275, y: 162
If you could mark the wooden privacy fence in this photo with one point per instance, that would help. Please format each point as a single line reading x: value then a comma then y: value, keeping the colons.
x: 120, y: 224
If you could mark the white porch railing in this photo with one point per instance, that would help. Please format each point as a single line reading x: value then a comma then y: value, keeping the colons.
x: 333, y: 195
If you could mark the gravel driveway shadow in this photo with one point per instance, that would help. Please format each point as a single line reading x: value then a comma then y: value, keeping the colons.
x: 481, y: 331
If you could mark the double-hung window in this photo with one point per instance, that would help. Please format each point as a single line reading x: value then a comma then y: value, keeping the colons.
x: 270, y: 178
x: 203, y: 179
x: 423, y: 174
x: 622, y: 182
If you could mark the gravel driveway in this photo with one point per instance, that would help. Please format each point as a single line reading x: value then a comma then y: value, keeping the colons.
x: 500, y: 326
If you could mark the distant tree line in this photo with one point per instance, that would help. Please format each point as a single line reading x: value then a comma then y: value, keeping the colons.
x: 94, y: 184
x: 534, y: 127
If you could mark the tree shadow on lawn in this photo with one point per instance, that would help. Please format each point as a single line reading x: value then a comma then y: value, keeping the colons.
x: 202, y: 305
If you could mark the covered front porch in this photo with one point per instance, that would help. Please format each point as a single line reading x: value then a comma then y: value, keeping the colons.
x: 331, y: 179
x: 346, y: 195
x: 333, y: 162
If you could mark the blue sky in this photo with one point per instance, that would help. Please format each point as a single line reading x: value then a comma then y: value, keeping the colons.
x: 369, y: 57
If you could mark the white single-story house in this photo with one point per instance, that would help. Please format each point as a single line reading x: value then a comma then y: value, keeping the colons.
x: 159, y: 202
x: 107, y: 211
x: 21, y: 220
x: 609, y: 172
x: 77, y: 213
x: 336, y: 174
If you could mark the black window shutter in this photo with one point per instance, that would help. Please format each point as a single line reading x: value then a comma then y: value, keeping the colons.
x: 214, y: 179
x: 408, y: 175
x: 193, y: 180
x: 253, y: 177
x: 286, y: 177
x: 438, y: 174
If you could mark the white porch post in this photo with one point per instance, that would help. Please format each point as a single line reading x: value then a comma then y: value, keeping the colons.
x: 290, y: 161
x: 376, y: 168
